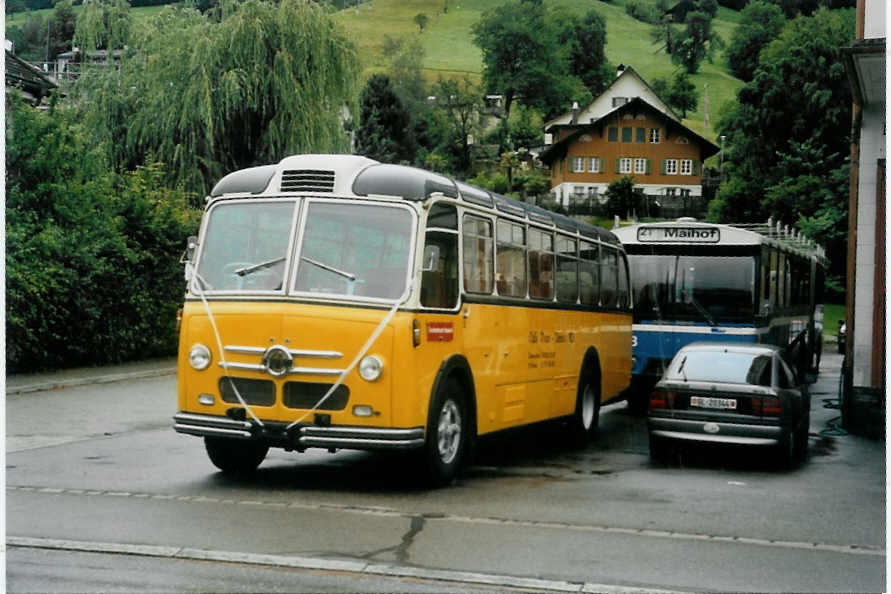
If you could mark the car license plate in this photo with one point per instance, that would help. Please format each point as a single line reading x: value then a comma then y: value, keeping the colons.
x: 704, y: 402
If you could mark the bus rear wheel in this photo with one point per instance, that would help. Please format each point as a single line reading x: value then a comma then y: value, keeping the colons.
x: 235, y: 457
x: 447, y: 435
x: 586, y: 418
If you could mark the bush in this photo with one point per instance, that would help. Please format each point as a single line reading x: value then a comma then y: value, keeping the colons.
x: 92, y: 272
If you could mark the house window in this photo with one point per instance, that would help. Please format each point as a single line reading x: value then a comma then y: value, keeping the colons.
x: 577, y: 165
x: 640, y: 135
x: 682, y: 140
x: 670, y: 191
x: 671, y: 166
x: 613, y: 134
x: 625, y: 165
x: 640, y: 166
x: 617, y: 101
x: 578, y: 192
x: 655, y: 135
x: 626, y: 134
x: 594, y: 165
x: 686, y: 167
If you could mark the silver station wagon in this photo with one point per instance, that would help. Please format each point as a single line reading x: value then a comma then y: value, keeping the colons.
x: 731, y: 393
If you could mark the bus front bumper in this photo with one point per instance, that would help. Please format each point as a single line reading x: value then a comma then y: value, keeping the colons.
x: 300, y: 437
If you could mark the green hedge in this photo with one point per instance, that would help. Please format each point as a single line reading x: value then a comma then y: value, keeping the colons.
x: 92, y: 272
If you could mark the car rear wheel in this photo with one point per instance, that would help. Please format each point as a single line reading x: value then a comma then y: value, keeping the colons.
x: 658, y: 449
x: 235, y: 457
x: 787, y: 451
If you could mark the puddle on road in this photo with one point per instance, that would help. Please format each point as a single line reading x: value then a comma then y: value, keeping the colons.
x: 824, y: 445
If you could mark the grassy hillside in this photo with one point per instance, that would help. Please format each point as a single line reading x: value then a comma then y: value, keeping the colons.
x: 450, y: 52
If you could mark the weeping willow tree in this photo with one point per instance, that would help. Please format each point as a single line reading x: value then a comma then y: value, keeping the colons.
x: 103, y: 24
x: 206, y: 98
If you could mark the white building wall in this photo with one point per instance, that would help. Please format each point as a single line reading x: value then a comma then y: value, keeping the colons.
x: 872, y: 148
x: 874, y: 22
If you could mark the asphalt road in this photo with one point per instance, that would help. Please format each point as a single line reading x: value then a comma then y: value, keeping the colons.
x: 100, y: 490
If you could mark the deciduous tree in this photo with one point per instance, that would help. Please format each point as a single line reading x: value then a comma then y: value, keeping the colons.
x: 760, y: 23
x: 207, y: 98
x: 789, y: 133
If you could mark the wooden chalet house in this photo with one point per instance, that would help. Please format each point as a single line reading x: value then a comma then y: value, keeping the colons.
x: 628, y: 130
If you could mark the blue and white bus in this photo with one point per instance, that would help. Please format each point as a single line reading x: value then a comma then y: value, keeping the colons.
x: 696, y: 281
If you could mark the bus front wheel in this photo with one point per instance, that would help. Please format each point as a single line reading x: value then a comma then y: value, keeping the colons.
x: 447, y: 434
x: 234, y: 456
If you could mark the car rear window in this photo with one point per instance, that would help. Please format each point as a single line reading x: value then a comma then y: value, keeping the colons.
x: 722, y: 366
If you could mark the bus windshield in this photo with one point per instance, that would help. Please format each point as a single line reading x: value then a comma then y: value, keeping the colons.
x: 355, y: 250
x: 693, y: 288
x: 245, y: 246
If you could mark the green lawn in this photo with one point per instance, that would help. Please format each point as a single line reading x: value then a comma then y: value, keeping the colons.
x: 831, y: 315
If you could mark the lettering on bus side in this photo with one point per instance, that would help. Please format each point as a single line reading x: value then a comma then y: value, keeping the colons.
x: 679, y: 234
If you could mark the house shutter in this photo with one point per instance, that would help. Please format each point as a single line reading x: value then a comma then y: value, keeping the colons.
x: 664, y: 166
x: 618, y: 165
x: 695, y: 167
x: 649, y: 166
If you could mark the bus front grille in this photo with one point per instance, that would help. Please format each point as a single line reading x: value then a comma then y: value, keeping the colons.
x: 308, y: 394
x: 258, y: 392
x: 307, y: 180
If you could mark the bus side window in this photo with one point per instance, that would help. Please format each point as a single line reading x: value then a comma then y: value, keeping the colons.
x: 589, y: 274
x: 541, y: 265
x: 478, y: 255
x: 624, y: 296
x: 609, y: 271
x: 511, y: 259
x: 567, y: 270
x: 439, y: 280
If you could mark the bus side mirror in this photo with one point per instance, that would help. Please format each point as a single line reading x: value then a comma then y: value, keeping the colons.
x: 188, y: 256
x: 431, y: 258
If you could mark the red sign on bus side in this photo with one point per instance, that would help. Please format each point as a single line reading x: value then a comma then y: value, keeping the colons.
x: 440, y: 331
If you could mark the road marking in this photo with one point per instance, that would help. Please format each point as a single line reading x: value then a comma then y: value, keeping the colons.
x: 849, y: 549
x: 345, y: 565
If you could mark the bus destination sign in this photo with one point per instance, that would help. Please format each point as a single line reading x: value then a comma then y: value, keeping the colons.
x: 679, y: 234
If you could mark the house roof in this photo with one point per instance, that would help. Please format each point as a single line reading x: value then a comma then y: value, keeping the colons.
x: 628, y: 84
x: 33, y: 83
x: 558, y: 150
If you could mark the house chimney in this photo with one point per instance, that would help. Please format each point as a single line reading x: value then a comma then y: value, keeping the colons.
x: 575, y: 112
x: 619, y: 70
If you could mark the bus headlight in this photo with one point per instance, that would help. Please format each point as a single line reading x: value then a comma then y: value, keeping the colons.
x: 199, y: 357
x: 370, y: 368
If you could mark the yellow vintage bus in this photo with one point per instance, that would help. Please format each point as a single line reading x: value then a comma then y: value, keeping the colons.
x: 337, y: 302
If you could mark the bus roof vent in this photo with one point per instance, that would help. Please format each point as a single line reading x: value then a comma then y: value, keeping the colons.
x: 307, y: 180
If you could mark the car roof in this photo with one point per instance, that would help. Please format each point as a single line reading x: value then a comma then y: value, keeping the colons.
x: 737, y: 347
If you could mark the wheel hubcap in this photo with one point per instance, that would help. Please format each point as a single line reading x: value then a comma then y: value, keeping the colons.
x: 449, y: 432
x: 588, y: 407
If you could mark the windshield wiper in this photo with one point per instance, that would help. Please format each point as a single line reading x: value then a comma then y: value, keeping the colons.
x: 681, y: 368
x: 342, y: 273
x: 700, y: 308
x: 251, y: 269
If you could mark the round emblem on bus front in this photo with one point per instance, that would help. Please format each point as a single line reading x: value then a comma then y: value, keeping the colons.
x: 711, y: 427
x: 277, y: 360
